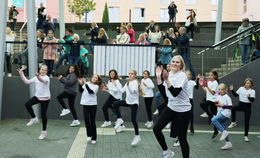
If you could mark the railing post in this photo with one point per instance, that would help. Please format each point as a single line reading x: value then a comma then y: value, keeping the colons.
x: 202, y: 63
x: 226, y: 60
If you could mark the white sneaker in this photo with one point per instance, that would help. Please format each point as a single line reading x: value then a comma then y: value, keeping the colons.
x: 191, y: 39
x: 106, y: 123
x: 9, y: 75
x: 43, y: 135
x: 23, y: 67
x: 32, y: 121
x: 223, y: 135
x: 177, y: 143
x: 150, y: 124
x: 75, y: 123
x: 233, y: 124
x: 93, y: 142
x: 156, y: 112
x: 119, y: 122
x: 168, y: 126
x: 146, y: 123
x: 64, y: 112
x: 89, y: 139
x: 246, y: 139
x: 204, y: 115
x: 120, y: 129
x: 136, y: 140
x: 228, y: 145
x: 168, y: 154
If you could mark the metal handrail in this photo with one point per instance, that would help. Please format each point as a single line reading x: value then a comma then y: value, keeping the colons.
x: 21, y: 34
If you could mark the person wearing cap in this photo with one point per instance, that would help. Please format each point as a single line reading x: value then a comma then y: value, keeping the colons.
x: 245, y: 44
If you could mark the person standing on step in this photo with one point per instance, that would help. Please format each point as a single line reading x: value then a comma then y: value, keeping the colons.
x: 211, y: 88
x: 41, y: 16
x: 174, y: 86
x: 172, y: 11
x: 70, y: 82
x: 88, y: 100
x: 42, y: 96
x: 224, y: 105
x: 9, y: 50
x: 132, y: 101
x: 147, y: 87
x: 13, y: 13
x: 114, y: 88
x: 93, y: 36
x: 190, y: 24
x: 246, y: 96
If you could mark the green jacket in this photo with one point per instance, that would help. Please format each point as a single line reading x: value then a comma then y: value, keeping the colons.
x: 84, y: 59
x: 66, y: 46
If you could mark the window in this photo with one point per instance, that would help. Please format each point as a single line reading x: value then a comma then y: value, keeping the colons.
x: 113, y: 14
x: 190, y: 2
x: 113, y: 1
x: 245, y: 6
x: 213, y: 15
x: 89, y: 17
x: 139, y: 1
x: 165, y: 1
x: 164, y: 16
x: 139, y: 14
x: 214, y: 2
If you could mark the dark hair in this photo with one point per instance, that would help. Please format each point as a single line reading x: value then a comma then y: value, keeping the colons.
x: 70, y: 30
x: 147, y: 72
x: 99, y: 82
x: 77, y: 73
x: 116, y: 75
x: 216, y: 75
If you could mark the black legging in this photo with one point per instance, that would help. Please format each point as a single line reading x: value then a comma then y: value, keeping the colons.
x: 191, y: 115
x: 44, y: 106
x: 191, y: 29
x: 148, y: 104
x: 71, y: 100
x: 108, y: 104
x: 180, y: 124
x: 209, y: 105
x: 134, y: 108
x: 8, y: 63
x: 89, y: 113
x: 246, y: 107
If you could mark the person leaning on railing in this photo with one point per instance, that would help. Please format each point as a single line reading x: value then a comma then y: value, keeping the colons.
x: 123, y: 37
x: 165, y: 53
x: 93, y: 35
x: 10, y: 36
x: 102, y: 36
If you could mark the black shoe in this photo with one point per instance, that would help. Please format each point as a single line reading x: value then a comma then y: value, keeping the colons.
x: 191, y: 130
x: 215, y: 134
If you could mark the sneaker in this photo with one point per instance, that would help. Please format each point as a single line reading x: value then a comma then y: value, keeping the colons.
x: 168, y: 154
x: 64, y: 112
x: 191, y: 39
x: 146, y: 123
x: 9, y: 75
x: 106, y: 123
x: 32, y: 121
x: 232, y: 125
x: 120, y: 129
x: 228, y: 145
x: 246, y: 139
x: 23, y: 67
x: 214, y: 135
x: 75, y: 123
x: 177, y: 143
x: 192, y: 130
x: 168, y: 126
x: 150, y: 124
x: 119, y: 122
x: 93, y: 142
x: 89, y: 139
x: 223, y: 135
x: 156, y: 112
x: 204, y: 115
x: 43, y: 135
x: 136, y: 140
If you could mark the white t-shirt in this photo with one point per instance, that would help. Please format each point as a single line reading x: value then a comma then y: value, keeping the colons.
x: 226, y: 101
x: 132, y: 94
x: 148, y: 89
x: 243, y: 94
x: 213, y: 85
x: 180, y: 103
x: 191, y: 84
x: 42, y: 89
x: 115, y: 90
x: 89, y: 99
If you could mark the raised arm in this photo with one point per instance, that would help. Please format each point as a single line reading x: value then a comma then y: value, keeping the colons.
x: 24, y: 79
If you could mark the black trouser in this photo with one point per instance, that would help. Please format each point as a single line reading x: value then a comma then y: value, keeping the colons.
x: 148, y: 104
x: 44, y: 106
x: 180, y: 124
x: 191, y: 115
x: 50, y: 65
x: 71, y: 100
x: 89, y: 113
x: 246, y: 107
x: 209, y: 105
x: 8, y: 63
x: 172, y: 17
x: 134, y: 108
x: 108, y: 104
x: 12, y: 24
x: 191, y: 29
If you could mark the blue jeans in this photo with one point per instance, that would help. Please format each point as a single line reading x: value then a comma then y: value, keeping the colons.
x: 73, y: 60
x: 91, y: 46
x: 220, y: 122
x: 158, y: 98
x: 245, y: 52
x: 63, y: 57
x: 186, y: 58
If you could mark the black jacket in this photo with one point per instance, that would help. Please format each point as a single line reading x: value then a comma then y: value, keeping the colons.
x: 75, y: 47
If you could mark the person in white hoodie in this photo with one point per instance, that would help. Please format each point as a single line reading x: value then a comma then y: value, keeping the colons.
x: 123, y: 37
x: 42, y: 96
x: 114, y: 88
x: 10, y: 37
x: 132, y: 101
x: 155, y: 37
x: 147, y: 87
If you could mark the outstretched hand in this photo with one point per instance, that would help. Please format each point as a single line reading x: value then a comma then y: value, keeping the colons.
x: 165, y: 74
x: 158, y: 71
x: 231, y: 87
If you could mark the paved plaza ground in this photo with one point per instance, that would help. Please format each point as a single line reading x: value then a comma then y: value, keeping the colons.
x: 19, y: 141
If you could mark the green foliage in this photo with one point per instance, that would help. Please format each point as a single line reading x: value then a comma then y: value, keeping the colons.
x: 80, y: 7
x: 105, y: 18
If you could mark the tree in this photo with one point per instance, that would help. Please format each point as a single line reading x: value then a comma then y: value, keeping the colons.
x: 105, y: 18
x: 81, y: 7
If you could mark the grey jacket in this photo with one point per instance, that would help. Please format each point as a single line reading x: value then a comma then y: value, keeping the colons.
x: 245, y: 41
x: 70, y: 83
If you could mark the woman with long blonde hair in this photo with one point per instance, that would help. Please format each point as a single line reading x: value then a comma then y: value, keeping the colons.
x: 102, y: 36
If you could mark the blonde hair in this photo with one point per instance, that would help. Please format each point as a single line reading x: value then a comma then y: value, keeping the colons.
x: 76, y: 35
x: 100, y: 33
x: 183, y: 66
x: 250, y: 80
x: 140, y: 90
x: 167, y: 41
x: 222, y: 85
x: 130, y: 26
